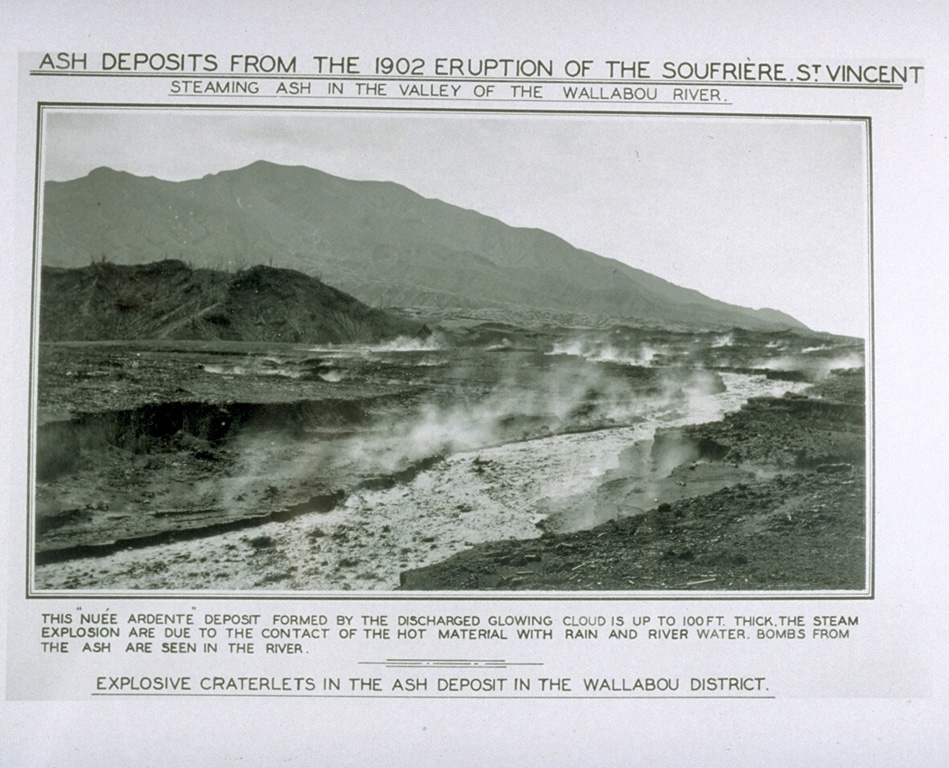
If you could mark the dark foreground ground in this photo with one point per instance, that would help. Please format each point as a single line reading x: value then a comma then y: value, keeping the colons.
x: 341, y: 467
x: 796, y: 521
x: 142, y: 444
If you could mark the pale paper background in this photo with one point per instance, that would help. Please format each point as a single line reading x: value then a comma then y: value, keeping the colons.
x: 911, y: 182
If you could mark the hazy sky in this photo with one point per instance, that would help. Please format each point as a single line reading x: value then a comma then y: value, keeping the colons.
x: 762, y: 212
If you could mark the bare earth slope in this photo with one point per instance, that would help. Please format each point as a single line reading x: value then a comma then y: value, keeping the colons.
x: 378, y: 241
x: 169, y: 300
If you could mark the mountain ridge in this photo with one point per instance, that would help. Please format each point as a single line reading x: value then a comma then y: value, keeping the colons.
x: 376, y: 240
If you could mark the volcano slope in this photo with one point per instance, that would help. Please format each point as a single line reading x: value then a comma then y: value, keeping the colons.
x: 797, y: 519
x: 376, y: 240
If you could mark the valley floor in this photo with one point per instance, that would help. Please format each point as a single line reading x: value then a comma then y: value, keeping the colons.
x: 443, y: 469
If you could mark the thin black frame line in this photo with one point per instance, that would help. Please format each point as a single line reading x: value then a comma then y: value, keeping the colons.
x: 511, y: 80
x: 304, y: 97
x: 241, y: 695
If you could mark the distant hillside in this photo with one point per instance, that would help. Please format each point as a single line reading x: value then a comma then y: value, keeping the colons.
x: 378, y: 241
x: 169, y: 300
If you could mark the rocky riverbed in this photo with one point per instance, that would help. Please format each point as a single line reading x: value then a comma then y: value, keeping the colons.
x: 521, y: 463
x: 790, y: 513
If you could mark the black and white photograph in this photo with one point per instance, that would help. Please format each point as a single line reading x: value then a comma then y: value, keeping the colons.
x: 426, y: 383
x: 329, y: 350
